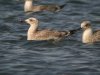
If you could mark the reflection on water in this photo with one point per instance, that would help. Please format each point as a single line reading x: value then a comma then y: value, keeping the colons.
x: 67, y: 57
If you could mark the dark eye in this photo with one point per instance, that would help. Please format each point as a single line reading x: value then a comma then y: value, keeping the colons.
x: 31, y: 20
x: 87, y: 25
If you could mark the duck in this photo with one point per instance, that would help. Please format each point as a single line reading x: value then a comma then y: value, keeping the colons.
x: 89, y: 36
x: 34, y: 33
x: 29, y: 7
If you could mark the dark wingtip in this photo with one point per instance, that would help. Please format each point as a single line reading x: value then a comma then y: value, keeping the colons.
x: 74, y: 31
x: 62, y: 6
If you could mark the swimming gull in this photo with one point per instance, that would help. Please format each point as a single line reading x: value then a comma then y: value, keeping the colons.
x: 47, y: 34
x: 29, y: 7
x: 89, y: 36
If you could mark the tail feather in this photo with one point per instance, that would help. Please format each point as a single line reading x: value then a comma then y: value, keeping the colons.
x: 74, y: 31
x: 62, y: 6
x: 69, y: 32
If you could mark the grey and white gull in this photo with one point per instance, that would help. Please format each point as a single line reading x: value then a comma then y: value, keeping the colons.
x: 89, y: 36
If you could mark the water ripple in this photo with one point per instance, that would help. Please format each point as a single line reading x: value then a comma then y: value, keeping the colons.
x: 66, y: 57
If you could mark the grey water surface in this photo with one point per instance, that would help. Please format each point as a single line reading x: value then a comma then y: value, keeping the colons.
x: 67, y: 57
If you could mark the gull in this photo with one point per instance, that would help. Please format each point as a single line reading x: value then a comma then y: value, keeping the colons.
x: 29, y: 7
x: 89, y: 36
x: 34, y: 33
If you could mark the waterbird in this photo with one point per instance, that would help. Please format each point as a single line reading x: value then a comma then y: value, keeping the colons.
x: 34, y: 33
x: 89, y: 36
x: 29, y: 7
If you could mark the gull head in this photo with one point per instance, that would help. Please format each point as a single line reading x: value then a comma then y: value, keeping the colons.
x: 85, y: 25
x: 32, y: 21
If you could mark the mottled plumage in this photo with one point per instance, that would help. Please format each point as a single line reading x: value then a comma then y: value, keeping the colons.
x: 96, y: 35
x: 46, y: 34
x: 29, y: 7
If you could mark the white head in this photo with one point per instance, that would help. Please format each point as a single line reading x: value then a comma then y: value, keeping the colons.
x: 32, y: 21
x: 85, y: 25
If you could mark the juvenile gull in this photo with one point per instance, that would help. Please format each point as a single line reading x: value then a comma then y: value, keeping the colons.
x: 29, y: 7
x: 89, y: 36
x: 47, y: 34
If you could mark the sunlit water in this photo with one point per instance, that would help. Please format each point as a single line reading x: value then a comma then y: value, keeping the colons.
x: 67, y: 57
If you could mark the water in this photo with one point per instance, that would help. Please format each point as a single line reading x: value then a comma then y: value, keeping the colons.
x: 67, y: 57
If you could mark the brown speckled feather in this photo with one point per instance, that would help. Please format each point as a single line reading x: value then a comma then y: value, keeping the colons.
x: 48, y: 34
x: 96, y: 35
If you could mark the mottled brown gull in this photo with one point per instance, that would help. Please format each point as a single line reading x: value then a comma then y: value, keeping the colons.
x: 89, y: 36
x: 46, y: 34
x: 29, y: 7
